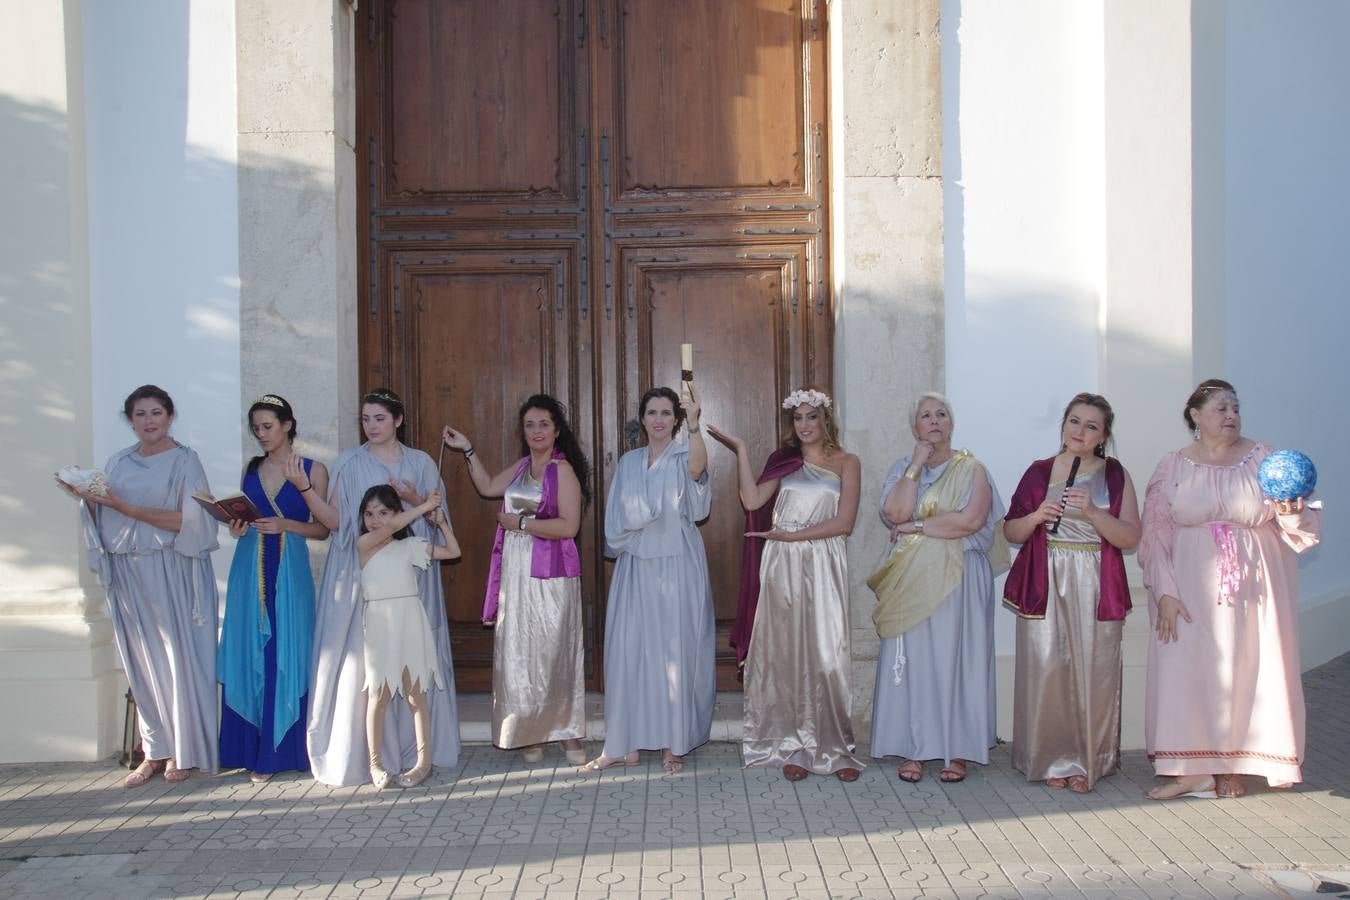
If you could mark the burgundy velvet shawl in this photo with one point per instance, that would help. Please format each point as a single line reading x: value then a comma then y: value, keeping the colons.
x: 783, y: 461
x: 1028, y: 582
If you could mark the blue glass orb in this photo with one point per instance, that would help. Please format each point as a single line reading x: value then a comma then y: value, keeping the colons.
x: 1287, y: 475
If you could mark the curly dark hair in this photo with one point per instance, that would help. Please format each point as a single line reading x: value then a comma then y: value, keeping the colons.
x: 668, y: 394
x: 387, y: 497
x: 565, y: 443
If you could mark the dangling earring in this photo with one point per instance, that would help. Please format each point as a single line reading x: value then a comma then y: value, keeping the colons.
x: 1195, y: 435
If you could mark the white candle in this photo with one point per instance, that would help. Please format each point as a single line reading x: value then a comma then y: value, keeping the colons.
x: 687, y: 357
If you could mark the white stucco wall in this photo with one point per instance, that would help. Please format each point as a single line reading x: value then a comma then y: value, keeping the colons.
x: 164, y: 223
x: 1286, y: 269
x: 1022, y: 156
x: 1132, y: 187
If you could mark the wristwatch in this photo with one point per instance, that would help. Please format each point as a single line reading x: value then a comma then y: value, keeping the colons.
x: 918, y: 526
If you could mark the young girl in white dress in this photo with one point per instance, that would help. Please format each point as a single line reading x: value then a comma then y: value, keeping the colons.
x: 399, y: 651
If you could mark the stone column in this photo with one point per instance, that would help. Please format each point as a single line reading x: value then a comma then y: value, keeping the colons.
x: 888, y: 262
x: 60, y: 686
x: 297, y: 214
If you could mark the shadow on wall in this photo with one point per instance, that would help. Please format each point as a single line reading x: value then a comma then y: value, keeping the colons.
x: 45, y: 331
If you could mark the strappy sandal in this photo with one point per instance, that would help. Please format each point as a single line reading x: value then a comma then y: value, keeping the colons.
x: 174, y: 775
x: 953, y: 773
x: 415, y: 776
x: 602, y: 762
x: 911, y: 770
x: 673, y: 764
x: 1229, y: 786
x: 144, y: 772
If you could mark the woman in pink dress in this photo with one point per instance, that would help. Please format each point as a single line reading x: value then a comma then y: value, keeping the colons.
x: 1224, y: 694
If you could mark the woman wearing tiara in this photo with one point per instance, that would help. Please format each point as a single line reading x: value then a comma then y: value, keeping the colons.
x: 151, y: 547
x: 1224, y: 698
x: 267, y: 636
x: 338, y: 704
x: 792, y: 630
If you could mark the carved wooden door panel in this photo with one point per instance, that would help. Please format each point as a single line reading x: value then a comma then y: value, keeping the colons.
x: 555, y: 195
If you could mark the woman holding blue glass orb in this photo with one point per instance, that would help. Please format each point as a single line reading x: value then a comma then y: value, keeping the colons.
x: 1225, y: 698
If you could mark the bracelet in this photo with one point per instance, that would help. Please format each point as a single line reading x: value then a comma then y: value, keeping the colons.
x: 693, y: 429
x: 310, y: 487
x: 913, y: 471
x: 468, y: 453
x: 520, y: 523
x: 918, y: 526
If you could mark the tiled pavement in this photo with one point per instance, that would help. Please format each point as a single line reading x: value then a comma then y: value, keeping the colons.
x: 496, y: 828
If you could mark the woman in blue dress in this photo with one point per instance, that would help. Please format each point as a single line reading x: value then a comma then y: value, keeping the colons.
x: 264, y: 659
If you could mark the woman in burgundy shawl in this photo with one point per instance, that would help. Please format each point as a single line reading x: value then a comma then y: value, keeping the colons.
x: 534, y: 587
x: 1068, y: 589
x: 792, y: 627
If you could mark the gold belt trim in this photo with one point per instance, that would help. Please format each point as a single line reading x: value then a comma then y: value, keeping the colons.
x: 1074, y: 545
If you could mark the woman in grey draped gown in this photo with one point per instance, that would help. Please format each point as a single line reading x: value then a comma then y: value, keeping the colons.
x: 151, y: 547
x: 336, y: 736
x: 934, y: 694
x: 660, y: 683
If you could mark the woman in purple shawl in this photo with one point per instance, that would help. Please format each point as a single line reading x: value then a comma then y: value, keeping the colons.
x: 1068, y: 589
x: 534, y: 587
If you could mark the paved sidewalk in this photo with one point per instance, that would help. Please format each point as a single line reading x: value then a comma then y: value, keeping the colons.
x: 496, y: 828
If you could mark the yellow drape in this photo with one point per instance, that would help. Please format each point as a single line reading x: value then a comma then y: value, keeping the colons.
x: 922, y: 571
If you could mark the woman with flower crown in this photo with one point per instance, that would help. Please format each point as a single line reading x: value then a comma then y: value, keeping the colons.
x: 792, y: 630
x: 267, y: 636
x: 413, y: 735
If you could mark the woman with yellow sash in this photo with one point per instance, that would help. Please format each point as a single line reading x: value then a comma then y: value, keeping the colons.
x: 934, y: 696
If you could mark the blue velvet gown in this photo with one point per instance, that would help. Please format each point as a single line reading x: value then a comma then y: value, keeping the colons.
x: 242, y: 744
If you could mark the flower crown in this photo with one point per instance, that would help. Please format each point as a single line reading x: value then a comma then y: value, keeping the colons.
x: 817, y: 399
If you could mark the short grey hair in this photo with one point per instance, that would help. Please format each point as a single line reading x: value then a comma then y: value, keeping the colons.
x: 929, y: 395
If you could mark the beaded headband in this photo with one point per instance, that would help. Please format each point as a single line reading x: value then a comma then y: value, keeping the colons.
x: 817, y: 399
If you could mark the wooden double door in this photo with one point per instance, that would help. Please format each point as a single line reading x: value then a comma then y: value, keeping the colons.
x: 554, y: 195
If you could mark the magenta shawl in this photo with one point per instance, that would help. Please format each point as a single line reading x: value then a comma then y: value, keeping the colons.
x: 548, y: 558
x: 1028, y: 582
x: 783, y: 461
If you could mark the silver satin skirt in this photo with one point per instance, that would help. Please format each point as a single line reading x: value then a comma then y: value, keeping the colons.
x: 538, y: 688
